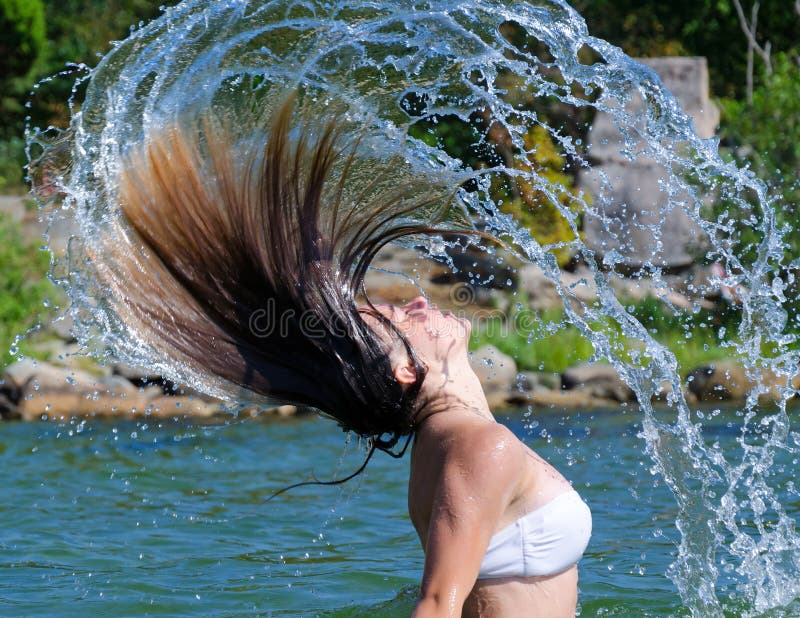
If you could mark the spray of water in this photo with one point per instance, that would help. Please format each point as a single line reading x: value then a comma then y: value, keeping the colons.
x: 395, y: 67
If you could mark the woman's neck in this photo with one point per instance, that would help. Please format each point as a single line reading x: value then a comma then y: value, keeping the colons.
x: 456, y: 390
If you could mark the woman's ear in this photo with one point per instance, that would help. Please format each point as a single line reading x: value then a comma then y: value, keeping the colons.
x: 405, y: 373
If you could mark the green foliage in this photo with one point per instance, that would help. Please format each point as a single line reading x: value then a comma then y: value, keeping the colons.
x: 37, y: 39
x: 707, y: 28
x: 22, y: 36
x: 766, y: 134
x: 697, y: 338
x: 22, y: 41
x: 23, y: 285
x: 78, y: 31
x: 536, y: 341
x: 528, y: 202
x: 542, y: 341
x: 12, y: 160
x: 525, y: 199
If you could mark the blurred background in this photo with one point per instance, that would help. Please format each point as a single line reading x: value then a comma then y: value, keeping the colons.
x: 749, y: 97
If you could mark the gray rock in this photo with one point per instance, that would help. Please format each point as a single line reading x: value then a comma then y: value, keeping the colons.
x: 686, y: 79
x: 493, y: 368
x: 719, y: 382
x: 597, y: 380
x: 477, y: 268
x: 46, y: 390
x: 497, y: 373
x: 580, y: 284
x: 540, y: 290
x: 566, y: 400
x: 627, y: 289
x: 632, y: 215
x: 142, y: 376
x: 630, y: 190
x: 167, y: 406
x: 538, y: 381
x: 19, y: 373
x: 72, y: 356
x: 13, y: 206
x: 62, y: 327
x: 727, y: 381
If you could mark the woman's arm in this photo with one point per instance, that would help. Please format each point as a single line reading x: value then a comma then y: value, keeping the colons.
x: 478, y: 482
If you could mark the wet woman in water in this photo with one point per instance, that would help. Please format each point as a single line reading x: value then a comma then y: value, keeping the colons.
x: 251, y: 255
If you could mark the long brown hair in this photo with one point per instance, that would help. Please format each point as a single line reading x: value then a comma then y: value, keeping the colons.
x: 230, y: 228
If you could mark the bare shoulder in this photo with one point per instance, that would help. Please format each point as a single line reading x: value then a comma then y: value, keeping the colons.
x: 487, y: 446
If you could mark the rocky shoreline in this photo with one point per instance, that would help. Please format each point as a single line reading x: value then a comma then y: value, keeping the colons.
x: 33, y: 390
x: 38, y: 390
x: 65, y: 384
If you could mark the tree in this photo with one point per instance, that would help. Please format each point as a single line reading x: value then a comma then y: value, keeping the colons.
x: 765, y: 137
x: 710, y: 28
x: 22, y: 36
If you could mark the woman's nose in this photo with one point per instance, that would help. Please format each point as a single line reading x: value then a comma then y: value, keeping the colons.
x: 417, y: 303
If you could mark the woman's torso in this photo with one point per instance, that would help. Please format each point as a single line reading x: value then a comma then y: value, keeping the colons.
x: 536, y: 486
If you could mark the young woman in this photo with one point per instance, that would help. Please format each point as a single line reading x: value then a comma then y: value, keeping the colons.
x: 245, y: 260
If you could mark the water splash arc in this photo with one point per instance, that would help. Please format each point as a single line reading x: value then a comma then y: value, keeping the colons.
x: 366, y: 61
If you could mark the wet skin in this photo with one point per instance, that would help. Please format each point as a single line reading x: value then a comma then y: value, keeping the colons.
x: 470, y: 477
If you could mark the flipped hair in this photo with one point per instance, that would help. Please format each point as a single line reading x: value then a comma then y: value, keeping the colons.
x: 231, y: 230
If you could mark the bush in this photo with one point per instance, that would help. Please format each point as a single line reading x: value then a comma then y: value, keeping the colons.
x: 23, y: 285
x: 12, y: 161
x: 531, y: 206
x: 708, y: 28
x: 766, y: 134
x: 521, y: 198
x: 549, y: 345
x: 22, y: 36
x: 545, y: 342
x: 765, y: 137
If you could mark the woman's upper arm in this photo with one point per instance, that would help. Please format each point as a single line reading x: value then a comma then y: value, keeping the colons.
x: 477, y: 484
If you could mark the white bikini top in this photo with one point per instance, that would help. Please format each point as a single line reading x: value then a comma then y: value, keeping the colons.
x: 546, y: 541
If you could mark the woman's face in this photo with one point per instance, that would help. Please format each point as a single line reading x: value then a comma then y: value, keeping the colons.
x: 439, y: 338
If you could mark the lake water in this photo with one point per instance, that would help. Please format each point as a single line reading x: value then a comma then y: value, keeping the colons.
x: 165, y: 518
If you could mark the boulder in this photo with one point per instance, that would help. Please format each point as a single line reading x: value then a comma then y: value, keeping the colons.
x: 497, y: 373
x: 727, y: 381
x: 478, y: 268
x: 538, y: 381
x: 493, y: 368
x: 630, y: 191
x: 687, y: 79
x: 17, y: 374
x: 167, y: 406
x: 597, y: 380
x: 142, y: 376
x: 540, y: 290
x: 634, y: 218
x: 45, y: 390
x: 282, y: 411
x: 576, y: 399
x: 580, y: 285
x: 62, y: 327
x: 72, y: 356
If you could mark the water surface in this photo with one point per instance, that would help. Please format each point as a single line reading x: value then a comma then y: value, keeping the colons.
x: 165, y: 518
